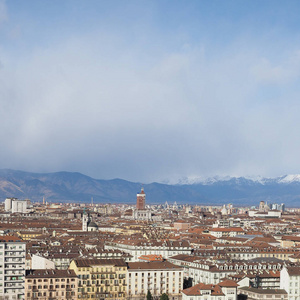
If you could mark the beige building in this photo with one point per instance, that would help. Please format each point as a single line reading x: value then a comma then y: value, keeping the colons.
x: 182, y: 225
x: 51, y: 284
x: 100, y: 278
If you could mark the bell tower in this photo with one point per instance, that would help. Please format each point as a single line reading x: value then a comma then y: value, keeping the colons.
x: 140, y: 200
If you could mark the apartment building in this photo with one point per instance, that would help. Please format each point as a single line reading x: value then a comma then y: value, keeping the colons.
x: 100, y: 278
x: 137, y: 248
x: 290, y: 281
x: 244, y: 253
x: 208, y: 272
x: 158, y: 277
x: 12, y: 267
x: 51, y: 284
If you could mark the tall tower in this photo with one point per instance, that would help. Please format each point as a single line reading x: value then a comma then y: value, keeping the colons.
x: 140, y: 200
x: 85, y: 221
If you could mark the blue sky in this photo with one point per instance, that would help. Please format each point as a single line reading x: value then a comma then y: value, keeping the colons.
x: 150, y: 90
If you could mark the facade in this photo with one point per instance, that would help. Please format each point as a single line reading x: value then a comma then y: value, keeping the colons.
x: 40, y: 262
x: 142, y: 215
x: 203, y: 271
x: 181, y: 225
x: 165, y: 248
x: 51, y: 284
x: 12, y: 267
x: 156, y: 277
x: 14, y: 205
x: 141, y: 200
x: 267, y: 214
x: 290, y: 281
x: 100, y: 278
x: 226, y: 232
x: 251, y: 293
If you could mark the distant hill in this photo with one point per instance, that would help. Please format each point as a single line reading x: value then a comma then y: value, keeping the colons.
x: 76, y: 187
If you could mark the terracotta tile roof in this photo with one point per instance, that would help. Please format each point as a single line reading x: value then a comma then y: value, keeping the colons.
x: 10, y: 238
x: 227, y: 283
x: 197, y: 289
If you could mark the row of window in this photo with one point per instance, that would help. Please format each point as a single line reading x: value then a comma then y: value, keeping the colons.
x: 51, y: 280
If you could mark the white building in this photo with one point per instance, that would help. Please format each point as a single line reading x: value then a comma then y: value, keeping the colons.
x: 267, y: 214
x: 164, y: 248
x: 14, y: 205
x: 12, y: 268
x: 19, y: 206
x: 156, y: 277
x: 40, y: 262
x: 204, y: 271
x: 290, y: 281
x: 8, y: 203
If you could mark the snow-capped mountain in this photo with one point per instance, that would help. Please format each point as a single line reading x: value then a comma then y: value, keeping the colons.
x: 67, y: 186
x: 289, y: 178
x: 285, y: 179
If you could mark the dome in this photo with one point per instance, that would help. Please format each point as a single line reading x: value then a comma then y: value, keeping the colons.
x: 92, y: 224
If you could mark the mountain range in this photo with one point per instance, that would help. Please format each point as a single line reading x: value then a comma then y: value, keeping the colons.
x: 76, y: 187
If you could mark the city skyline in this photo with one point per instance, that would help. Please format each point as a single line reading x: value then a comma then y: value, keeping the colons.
x: 150, y: 90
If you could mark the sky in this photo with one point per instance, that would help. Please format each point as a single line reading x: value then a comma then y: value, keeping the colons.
x: 150, y: 90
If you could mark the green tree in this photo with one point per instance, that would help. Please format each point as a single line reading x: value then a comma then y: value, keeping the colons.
x: 164, y: 296
x: 149, y: 296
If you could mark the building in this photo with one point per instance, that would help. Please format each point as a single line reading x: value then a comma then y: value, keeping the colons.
x: 225, y: 290
x: 226, y: 232
x: 87, y: 223
x: 14, y: 205
x: 137, y: 248
x: 156, y: 277
x: 205, y: 271
x: 140, y: 213
x: 51, y: 284
x: 251, y: 293
x: 141, y: 200
x: 290, y: 281
x: 182, y: 225
x: 100, y: 278
x: 8, y: 203
x: 12, y: 267
x: 40, y: 262
x: 264, y: 214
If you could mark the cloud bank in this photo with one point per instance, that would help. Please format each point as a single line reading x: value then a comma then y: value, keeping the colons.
x: 142, y: 104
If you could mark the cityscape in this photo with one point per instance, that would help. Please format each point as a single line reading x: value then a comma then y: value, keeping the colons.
x: 142, y: 251
x: 149, y: 150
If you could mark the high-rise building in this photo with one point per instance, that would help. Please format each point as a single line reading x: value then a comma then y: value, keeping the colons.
x: 141, y: 200
x: 12, y: 268
x: 14, y: 205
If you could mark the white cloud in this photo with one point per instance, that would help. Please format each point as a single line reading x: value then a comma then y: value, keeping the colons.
x: 109, y: 107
